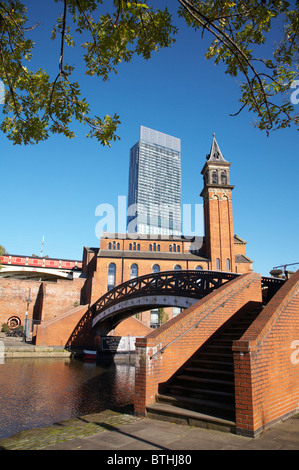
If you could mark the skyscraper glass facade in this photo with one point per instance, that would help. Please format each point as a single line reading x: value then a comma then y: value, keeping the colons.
x: 154, y: 197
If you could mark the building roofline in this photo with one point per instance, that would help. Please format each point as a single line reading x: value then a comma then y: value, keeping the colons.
x: 140, y: 236
x: 156, y: 255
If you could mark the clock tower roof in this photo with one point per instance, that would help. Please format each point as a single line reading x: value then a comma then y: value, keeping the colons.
x: 215, y: 154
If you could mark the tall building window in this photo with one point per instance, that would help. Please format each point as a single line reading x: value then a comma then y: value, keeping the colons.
x: 111, y: 276
x: 156, y: 268
x: 228, y: 264
x: 217, y: 263
x: 133, y: 271
x: 214, y: 177
x: 155, y: 183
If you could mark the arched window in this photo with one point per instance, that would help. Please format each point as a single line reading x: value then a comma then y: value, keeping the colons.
x: 138, y: 247
x: 151, y: 247
x: 177, y: 267
x: 228, y: 264
x: 217, y: 263
x: 170, y: 248
x: 158, y: 247
x: 133, y: 271
x: 223, y: 177
x: 198, y: 268
x: 110, y: 245
x: 178, y: 249
x: 111, y: 276
x: 118, y: 246
x: 156, y: 268
x: 130, y: 247
x: 214, y: 177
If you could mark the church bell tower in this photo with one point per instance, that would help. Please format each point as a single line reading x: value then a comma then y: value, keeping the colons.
x: 218, y: 214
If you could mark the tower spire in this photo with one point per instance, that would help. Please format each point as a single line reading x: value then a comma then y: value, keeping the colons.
x: 215, y: 154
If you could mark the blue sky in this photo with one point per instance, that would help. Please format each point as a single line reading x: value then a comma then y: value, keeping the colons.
x: 52, y: 189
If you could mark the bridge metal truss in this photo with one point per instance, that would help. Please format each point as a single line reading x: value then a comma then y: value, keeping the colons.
x: 172, y: 284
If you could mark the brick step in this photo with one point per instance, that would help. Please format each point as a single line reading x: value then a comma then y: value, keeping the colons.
x: 201, y: 371
x: 223, y: 342
x: 231, y: 336
x: 176, y: 414
x: 200, y: 392
x: 214, y: 355
x: 237, y: 329
x: 206, y: 364
x: 218, y: 347
x: 202, y: 405
x: 214, y: 384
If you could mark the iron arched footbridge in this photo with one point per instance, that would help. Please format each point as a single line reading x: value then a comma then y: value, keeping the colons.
x: 164, y: 289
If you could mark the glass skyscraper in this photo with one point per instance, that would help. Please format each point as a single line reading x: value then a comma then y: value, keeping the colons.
x: 154, y: 196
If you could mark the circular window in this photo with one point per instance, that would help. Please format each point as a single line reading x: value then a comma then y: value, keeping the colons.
x: 13, y: 322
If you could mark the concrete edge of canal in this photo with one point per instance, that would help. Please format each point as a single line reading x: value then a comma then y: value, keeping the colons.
x: 17, y: 348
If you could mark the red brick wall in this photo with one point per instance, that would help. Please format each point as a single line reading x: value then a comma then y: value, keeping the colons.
x: 219, y: 230
x: 60, y: 297
x: 56, y: 297
x: 130, y: 327
x: 57, y: 331
x: 266, y: 362
x: 13, y: 295
x: 123, y: 266
x: 211, y: 311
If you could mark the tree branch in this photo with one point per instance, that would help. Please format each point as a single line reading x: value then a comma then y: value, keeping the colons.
x: 233, y: 47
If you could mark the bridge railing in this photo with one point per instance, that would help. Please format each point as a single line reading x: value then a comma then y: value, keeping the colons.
x: 270, y: 285
x: 191, y: 283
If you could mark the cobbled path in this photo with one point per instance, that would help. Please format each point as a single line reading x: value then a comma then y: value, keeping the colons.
x: 41, y: 438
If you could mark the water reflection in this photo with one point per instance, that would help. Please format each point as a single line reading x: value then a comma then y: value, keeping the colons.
x: 39, y: 392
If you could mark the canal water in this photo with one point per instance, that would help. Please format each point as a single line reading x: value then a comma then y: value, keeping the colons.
x: 39, y: 392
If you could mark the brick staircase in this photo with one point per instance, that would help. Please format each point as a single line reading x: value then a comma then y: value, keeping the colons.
x: 201, y: 393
